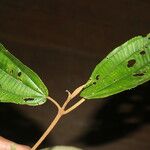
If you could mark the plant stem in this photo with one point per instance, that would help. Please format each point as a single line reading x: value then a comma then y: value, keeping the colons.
x: 54, y: 102
x: 74, y: 106
x: 61, y: 112
x: 71, y: 96
x: 56, y: 119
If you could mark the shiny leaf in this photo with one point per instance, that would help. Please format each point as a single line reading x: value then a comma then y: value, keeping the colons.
x: 18, y: 83
x: 124, y: 68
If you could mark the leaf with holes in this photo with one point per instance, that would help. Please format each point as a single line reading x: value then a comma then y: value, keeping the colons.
x: 124, y: 68
x: 18, y: 83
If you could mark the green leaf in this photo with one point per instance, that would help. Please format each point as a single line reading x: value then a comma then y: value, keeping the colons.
x: 124, y: 68
x: 18, y: 83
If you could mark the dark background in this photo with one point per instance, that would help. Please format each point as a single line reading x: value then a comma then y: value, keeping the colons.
x: 63, y: 40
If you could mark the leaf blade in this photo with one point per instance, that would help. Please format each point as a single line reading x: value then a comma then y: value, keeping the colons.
x: 19, y: 80
x: 129, y: 60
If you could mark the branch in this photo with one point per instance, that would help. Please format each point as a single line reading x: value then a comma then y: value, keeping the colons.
x: 74, y: 106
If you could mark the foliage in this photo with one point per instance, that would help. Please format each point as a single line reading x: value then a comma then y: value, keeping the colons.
x: 18, y: 83
x: 126, y: 67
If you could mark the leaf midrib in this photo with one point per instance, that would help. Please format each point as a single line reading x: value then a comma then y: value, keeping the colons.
x: 124, y: 76
x: 34, y: 89
x: 10, y: 76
